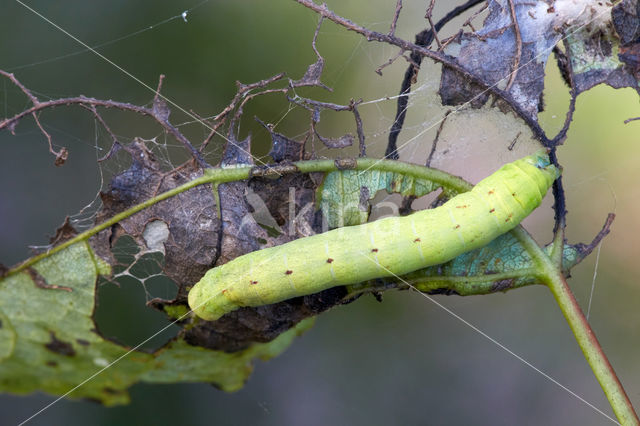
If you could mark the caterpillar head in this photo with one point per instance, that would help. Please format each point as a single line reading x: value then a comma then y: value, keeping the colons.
x: 539, y: 160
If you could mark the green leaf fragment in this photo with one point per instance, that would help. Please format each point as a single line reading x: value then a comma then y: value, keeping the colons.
x: 584, y: 58
x: 176, y: 311
x: 501, y: 265
x: 7, y: 337
x: 344, y: 194
x: 180, y: 362
x: 48, y: 340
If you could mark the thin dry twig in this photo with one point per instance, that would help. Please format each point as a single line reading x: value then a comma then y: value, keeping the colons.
x: 240, y: 109
x: 213, y: 126
x: 104, y: 124
x: 305, y: 102
x: 513, y: 142
x: 389, y: 62
x: 17, y: 83
x: 312, y: 76
x: 242, y: 91
x: 114, y: 148
x: 446, y: 60
x: 157, y: 95
x: 468, y: 22
x: 63, y: 154
x: 516, y: 60
x: 560, y: 204
x: 356, y: 114
x: 159, y: 115
x: 437, y: 138
x: 314, y: 108
x: 562, y: 134
x: 242, y: 96
x: 115, y: 145
x: 433, y: 27
x: 448, y: 40
x: 606, y: 228
x: 396, y: 15
x: 424, y: 39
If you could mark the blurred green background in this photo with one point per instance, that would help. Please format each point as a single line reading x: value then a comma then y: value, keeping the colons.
x: 404, y: 361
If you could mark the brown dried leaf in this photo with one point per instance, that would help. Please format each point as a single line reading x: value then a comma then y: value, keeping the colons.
x: 63, y: 233
x: 192, y: 245
x: 341, y: 142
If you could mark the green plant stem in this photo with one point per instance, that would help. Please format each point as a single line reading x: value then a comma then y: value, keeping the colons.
x: 231, y: 174
x: 593, y: 353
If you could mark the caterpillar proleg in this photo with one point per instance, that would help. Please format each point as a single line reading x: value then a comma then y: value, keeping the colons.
x: 393, y: 245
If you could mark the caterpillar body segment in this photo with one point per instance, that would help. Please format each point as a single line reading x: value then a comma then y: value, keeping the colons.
x: 386, y: 247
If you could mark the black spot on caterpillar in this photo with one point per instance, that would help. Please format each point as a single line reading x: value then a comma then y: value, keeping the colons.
x: 393, y: 245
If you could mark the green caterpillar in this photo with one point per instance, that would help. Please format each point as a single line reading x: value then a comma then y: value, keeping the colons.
x: 386, y: 247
